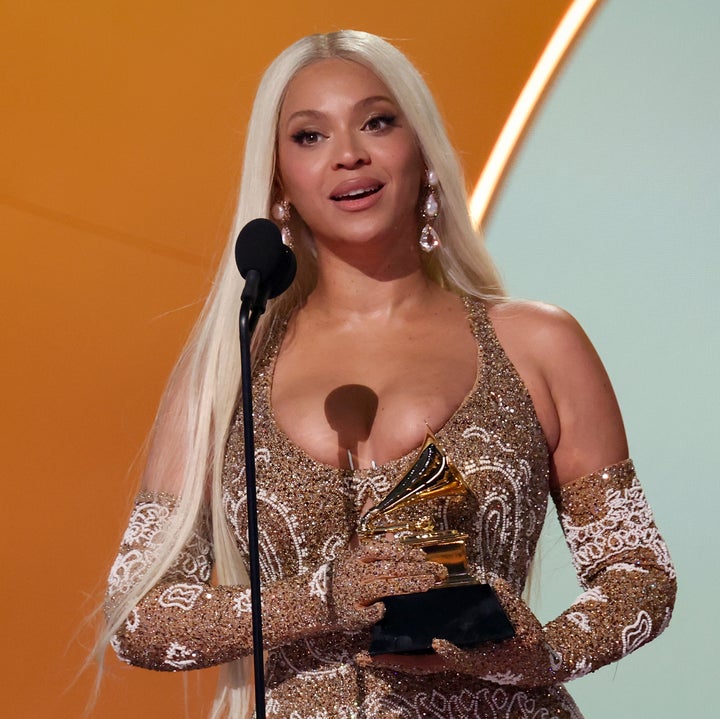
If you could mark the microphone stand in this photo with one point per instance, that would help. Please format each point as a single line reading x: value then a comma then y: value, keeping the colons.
x: 253, y: 300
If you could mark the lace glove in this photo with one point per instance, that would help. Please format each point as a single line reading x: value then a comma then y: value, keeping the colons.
x: 184, y: 622
x: 624, y: 566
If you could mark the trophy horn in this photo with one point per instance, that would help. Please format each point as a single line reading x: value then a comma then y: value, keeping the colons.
x: 431, y: 475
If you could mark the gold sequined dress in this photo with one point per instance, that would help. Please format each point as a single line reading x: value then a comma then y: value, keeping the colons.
x: 307, y: 514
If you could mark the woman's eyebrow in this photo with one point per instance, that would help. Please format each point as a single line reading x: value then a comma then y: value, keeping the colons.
x: 309, y: 114
x: 373, y: 99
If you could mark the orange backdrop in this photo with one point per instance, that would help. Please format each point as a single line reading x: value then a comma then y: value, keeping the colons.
x: 121, y: 134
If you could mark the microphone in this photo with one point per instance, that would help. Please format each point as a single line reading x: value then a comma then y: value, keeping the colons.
x: 267, y: 265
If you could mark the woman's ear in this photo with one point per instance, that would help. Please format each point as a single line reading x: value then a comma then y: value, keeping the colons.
x: 279, y: 195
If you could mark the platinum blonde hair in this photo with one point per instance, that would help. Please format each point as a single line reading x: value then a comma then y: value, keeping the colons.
x: 188, y: 439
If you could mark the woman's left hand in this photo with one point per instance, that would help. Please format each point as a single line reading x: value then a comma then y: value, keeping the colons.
x: 406, y: 663
x: 523, y: 660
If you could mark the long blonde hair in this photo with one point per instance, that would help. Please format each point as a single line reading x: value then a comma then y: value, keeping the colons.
x: 190, y: 431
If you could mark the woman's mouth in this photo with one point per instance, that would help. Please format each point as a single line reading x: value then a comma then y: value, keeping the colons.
x: 356, y: 194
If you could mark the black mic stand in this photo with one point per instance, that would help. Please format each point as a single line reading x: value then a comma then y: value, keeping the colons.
x: 254, y: 298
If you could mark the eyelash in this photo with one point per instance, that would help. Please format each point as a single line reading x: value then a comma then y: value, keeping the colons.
x: 302, y: 136
x: 310, y: 137
x: 387, y: 120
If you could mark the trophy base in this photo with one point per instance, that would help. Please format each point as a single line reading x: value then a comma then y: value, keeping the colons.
x: 466, y: 615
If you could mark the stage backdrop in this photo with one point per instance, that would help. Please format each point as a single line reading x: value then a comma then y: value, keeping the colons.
x: 121, y: 130
x: 612, y: 209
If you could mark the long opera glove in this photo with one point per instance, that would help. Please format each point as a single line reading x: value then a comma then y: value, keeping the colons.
x: 622, y: 563
x: 373, y: 570
x: 184, y: 622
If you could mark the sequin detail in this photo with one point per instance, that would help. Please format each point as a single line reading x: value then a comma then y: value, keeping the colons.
x: 308, y: 512
x: 620, y: 517
x: 624, y: 566
x: 184, y: 622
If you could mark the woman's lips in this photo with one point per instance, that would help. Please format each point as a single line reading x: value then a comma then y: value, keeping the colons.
x: 356, y: 195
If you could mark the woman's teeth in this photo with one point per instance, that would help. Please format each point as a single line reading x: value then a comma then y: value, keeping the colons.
x: 355, y: 194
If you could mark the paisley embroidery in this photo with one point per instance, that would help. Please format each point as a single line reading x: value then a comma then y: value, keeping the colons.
x: 493, y: 703
x: 320, y: 582
x: 243, y: 602
x: 580, y: 620
x: 626, y: 526
x: 182, y: 596
x: 637, y: 633
x: 179, y: 657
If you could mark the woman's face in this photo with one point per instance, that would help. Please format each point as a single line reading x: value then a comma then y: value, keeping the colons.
x: 348, y: 161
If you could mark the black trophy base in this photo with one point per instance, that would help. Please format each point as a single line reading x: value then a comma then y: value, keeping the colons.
x: 466, y: 615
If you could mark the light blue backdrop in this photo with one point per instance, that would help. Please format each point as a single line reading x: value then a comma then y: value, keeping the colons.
x: 612, y: 210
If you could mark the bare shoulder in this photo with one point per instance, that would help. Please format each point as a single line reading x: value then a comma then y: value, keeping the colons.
x: 543, y: 330
x: 568, y: 382
x: 525, y: 310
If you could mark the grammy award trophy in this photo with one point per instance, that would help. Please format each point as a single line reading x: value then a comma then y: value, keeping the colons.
x: 460, y: 609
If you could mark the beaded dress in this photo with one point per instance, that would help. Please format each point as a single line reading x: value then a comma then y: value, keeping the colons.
x: 496, y: 442
x: 307, y: 513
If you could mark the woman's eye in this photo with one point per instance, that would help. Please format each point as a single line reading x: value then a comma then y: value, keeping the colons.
x: 379, y: 122
x: 306, y: 137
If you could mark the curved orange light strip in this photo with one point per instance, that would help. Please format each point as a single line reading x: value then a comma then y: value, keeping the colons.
x: 490, y: 177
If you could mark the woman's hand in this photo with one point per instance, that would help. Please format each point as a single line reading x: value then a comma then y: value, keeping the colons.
x: 365, y: 573
x: 406, y: 663
x: 523, y: 659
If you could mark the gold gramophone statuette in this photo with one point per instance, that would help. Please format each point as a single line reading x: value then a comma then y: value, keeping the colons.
x: 460, y: 609
x: 431, y: 476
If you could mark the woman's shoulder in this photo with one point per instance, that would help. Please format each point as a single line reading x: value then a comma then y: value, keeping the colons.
x: 572, y: 393
x: 542, y: 329
x: 526, y: 310
x: 547, y: 342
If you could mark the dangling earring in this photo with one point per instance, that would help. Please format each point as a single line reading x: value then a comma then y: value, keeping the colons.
x: 281, y: 212
x: 429, y: 239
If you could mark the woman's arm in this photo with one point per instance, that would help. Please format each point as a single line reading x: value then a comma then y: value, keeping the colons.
x: 621, y: 560
x: 184, y: 622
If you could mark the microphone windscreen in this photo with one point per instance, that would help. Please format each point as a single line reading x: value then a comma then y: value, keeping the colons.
x: 259, y: 247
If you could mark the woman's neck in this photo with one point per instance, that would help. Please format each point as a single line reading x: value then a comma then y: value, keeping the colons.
x: 369, y: 285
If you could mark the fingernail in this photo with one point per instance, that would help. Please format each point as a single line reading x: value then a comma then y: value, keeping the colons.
x: 363, y: 659
x: 440, y: 570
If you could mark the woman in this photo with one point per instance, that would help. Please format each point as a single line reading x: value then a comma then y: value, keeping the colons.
x: 383, y: 334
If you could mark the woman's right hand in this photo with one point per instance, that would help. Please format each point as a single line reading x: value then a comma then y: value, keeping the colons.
x: 366, y: 572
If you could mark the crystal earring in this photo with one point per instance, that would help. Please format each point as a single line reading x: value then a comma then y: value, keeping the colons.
x: 429, y: 238
x: 281, y: 212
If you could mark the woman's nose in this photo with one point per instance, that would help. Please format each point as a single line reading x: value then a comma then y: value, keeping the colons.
x: 350, y: 152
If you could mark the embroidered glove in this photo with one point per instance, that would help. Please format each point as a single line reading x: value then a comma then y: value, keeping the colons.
x: 362, y: 576
x: 524, y: 660
x: 624, y: 566
x: 489, y: 661
x: 184, y: 622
